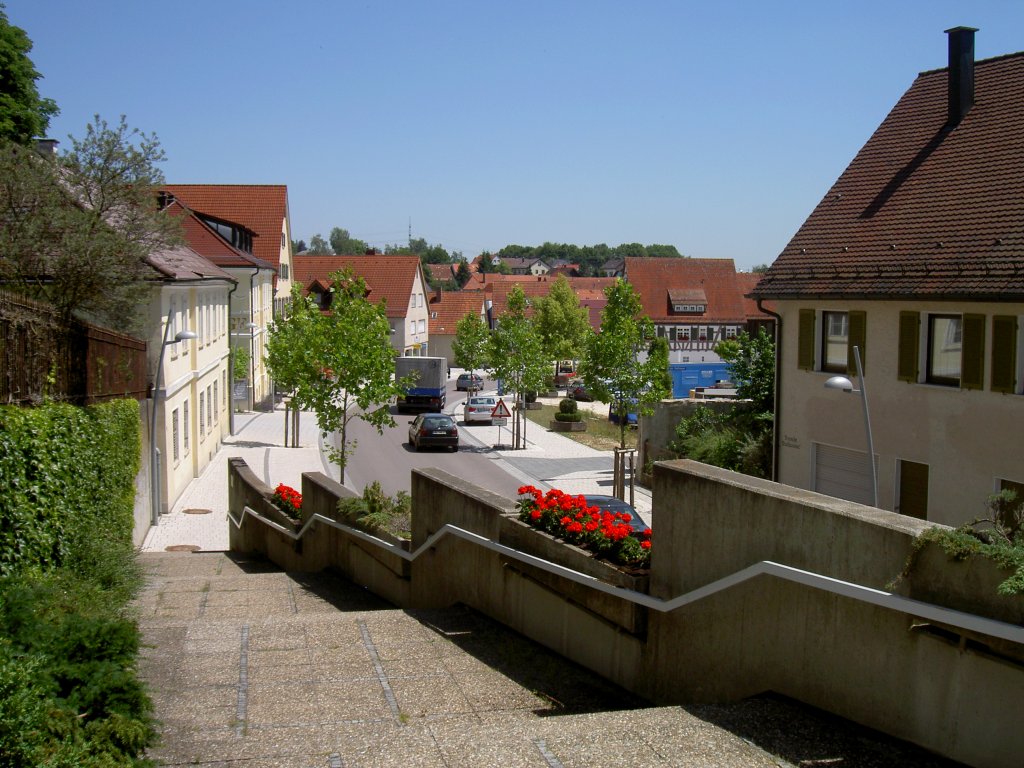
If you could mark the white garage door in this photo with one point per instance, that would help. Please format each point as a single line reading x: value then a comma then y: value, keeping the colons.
x: 843, y: 473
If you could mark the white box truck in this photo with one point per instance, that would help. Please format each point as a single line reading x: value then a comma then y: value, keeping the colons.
x: 429, y: 382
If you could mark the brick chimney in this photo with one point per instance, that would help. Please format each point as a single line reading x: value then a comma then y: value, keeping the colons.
x: 961, y: 73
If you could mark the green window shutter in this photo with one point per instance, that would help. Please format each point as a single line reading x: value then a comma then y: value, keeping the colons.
x: 858, y: 324
x: 972, y: 352
x: 910, y: 338
x: 1004, y: 354
x: 805, y: 347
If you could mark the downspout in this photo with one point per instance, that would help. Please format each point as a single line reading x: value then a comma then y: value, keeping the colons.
x: 776, y: 432
x: 252, y: 337
x: 231, y: 370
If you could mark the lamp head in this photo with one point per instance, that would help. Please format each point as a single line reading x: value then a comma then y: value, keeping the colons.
x: 185, y: 334
x: 840, y: 382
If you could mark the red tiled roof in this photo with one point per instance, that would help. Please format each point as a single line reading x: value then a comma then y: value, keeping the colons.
x: 440, y: 272
x: 388, y: 278
x: 202, y: 239
x: 923, y: 211
x: 656, y: 278
x: 261, y: 208
x: 448, y: 307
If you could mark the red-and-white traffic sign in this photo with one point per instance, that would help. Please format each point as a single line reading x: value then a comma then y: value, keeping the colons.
x: 500, y: 411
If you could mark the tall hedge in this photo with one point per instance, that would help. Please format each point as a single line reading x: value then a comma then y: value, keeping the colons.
x: 67, y: 484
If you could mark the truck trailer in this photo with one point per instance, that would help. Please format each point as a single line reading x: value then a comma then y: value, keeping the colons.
x: 429, y: 381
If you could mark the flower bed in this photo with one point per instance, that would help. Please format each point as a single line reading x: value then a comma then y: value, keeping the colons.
x: 605, y: 534
x: 288, y: 500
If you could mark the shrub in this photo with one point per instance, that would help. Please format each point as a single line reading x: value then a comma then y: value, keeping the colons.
x: 375, y: 510
x: 568, y: 410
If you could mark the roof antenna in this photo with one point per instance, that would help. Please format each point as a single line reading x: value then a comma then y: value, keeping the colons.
x: 410, y: 233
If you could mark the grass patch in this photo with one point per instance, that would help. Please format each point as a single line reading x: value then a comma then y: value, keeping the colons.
x: 601, y: 434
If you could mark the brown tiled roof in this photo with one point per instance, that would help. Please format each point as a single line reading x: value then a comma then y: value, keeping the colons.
x: 440, y: 272
x: 448, y: 307
x: 676, y: 295
x: 655, y: 278
x: 747, y: 281
x: 261, y: 208
x: 179, y: 262
x: 202, y: 239
x: 388, y: 278
x: 923, y: 211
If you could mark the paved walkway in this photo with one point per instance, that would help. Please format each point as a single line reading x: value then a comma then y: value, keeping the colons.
x: 197, y: 520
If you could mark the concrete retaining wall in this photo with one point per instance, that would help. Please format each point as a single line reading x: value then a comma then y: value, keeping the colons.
x: 956, y: 694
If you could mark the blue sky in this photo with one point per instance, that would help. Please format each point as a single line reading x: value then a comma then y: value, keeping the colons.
x: 712, y: 126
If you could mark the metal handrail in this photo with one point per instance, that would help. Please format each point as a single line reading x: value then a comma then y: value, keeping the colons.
x: 948, y: 616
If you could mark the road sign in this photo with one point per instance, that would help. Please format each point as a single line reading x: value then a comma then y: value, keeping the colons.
x: 499, y: 422
x: 500, y: 411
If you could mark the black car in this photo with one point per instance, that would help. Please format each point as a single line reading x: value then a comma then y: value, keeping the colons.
x: 434, y: 429
x: 469, y: 382
x: 577, y: 391
x: 614, y: 505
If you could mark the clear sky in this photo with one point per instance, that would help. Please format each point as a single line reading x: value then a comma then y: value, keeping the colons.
x: 714, y: 126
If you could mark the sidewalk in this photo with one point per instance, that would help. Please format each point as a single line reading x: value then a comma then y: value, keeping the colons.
x: 197, y: 520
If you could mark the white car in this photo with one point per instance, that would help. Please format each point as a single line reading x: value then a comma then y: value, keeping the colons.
x: 478, y: 408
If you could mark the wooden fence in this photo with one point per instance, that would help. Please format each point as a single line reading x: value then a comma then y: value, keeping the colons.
x: 42, y: 358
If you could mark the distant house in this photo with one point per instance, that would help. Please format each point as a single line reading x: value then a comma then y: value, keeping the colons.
x: 229, y: 246
x: 694, y: 304
x: 446, y: 309
x: 396, y: 280
x: 253, y: 218
x: 915, y: 257
x: 614, y: 268
x: 440, y: 273
x: 188, y: 293
x: 526, y: 266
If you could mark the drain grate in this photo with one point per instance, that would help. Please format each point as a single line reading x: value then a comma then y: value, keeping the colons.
x: 183, y: 548
x: 195, y: 511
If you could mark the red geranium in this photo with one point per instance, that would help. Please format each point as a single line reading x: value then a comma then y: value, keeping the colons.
x: 288, y: 500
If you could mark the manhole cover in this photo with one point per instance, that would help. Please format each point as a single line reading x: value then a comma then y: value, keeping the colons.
x: 183, y: 548
x: 196, y: 511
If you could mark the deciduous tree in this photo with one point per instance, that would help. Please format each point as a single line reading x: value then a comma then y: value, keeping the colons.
x: 343, y: 244
x: 470, y: 345
x: 78, y: 228
x: 24, y: 114
x: 618, y: 368
x: 338, y: 364
x: 563, y: 325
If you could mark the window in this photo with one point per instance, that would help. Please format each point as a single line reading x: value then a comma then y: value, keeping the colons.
x: 412, y: 327
x: 284, y: 271
x: 826, y: 340
x: 224, y: 389
x: 213, y: 404
x: 955, y: 354
x: 202, y: 423
x: 209, y: 410
x: 423, y: 326
x: 186, y: 427
x: 174, y: 435
x: 835, y: 338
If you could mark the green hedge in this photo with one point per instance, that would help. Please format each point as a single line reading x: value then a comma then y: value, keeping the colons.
x: 67, y: 484
x: 69, y: 693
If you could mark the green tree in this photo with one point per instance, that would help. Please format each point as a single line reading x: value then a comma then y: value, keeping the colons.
x: 298, y: 246
x: 470, y: 345
x: 563, y: 325
x: 517, y: 358
x: 344, y: 244
x: 318, y: 246
x: 338, y: 364
x: 618, y: 368
x: 24, y: 115
x: 79, y: 228
x: 463, y: 274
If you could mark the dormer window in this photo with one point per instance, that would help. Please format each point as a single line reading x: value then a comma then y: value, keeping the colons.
x: 687, y: 301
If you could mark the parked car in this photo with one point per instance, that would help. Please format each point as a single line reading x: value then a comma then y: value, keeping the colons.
x: 631, y: 414
x: 479, y: 408
x: 577, y: 391
x: 469, y: 382
x: 434, y: 429
x: 614, y: 505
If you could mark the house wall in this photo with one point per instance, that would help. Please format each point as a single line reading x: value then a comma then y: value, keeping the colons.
x: 968, y: 438
x: 253, y: 302
x: 285, y: 267
x: 414, y: 336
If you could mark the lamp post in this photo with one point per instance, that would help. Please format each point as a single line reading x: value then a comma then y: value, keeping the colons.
x: 843, y: 383
x: 154, y: 452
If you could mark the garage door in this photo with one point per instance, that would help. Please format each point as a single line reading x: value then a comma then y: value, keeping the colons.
x: 843, y: 473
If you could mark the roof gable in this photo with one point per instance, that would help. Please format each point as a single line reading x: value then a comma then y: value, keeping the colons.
x: 923, y: 210
x: 388, y: 278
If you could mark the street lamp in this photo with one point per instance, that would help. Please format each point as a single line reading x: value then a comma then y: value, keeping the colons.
x: 843, y: 383
x: 154, y: 452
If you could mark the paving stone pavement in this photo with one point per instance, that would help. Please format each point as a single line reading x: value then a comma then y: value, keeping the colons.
x: 251, y: 667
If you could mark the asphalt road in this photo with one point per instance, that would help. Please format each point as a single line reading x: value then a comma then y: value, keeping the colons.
x: 388, y: 459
